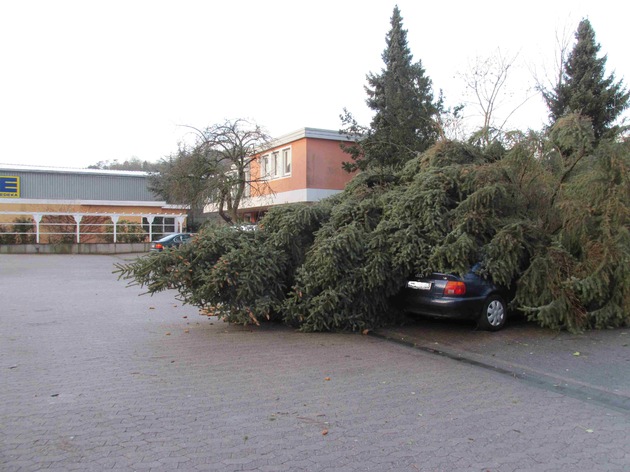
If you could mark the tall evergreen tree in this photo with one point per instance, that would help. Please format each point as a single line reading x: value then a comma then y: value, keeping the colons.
x: 402, y: 97
x: 584, y: 89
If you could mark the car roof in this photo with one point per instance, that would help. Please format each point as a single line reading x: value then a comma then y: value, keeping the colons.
x: 171, y: 236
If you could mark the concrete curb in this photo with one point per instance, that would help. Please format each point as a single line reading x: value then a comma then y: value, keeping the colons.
x: 553, y: 383
x: 83, y: 248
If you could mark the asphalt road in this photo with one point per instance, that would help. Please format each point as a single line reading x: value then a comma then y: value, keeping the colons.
x: 95, y: 377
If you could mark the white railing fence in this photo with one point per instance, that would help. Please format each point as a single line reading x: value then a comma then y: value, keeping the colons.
x: 51, y: 227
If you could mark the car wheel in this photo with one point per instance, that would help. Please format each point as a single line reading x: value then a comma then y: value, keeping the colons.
x: 493, y: 314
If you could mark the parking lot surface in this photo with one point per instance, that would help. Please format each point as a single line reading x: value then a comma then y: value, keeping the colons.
x: 592, y: 365
x: 95, y: 377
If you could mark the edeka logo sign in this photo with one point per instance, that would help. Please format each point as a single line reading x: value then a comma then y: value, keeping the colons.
x: 9, y: 187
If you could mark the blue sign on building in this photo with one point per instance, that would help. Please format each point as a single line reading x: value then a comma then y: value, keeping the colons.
x: 9, y: 186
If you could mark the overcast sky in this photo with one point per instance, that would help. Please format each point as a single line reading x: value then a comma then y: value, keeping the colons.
x: 86, y: 81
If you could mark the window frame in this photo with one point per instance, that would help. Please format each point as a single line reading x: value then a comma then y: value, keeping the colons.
x: 275, y: 161
x: 276, y: 164
x: 264, y: 166
x: 287, y: 162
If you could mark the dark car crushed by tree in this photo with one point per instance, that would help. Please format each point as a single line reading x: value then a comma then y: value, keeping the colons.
x: 469, y: 296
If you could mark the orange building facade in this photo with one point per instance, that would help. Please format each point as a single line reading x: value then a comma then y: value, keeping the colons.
x: 302, y: 166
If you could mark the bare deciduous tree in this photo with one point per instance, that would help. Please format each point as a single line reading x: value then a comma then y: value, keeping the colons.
x: 487, y: 80
x: 216, y: 169
x: 449, y: 121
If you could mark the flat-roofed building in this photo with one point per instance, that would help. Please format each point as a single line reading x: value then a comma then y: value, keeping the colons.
x: 302, y: 166
x: 53, y: 196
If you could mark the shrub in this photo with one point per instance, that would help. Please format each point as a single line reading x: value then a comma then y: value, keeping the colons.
x: 129, y: 232
x: 6, y: 235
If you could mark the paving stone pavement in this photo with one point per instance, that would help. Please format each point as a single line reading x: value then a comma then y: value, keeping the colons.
x: 95, y: 377
x: 593, y: 365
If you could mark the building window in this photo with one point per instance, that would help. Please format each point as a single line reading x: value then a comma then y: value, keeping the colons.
x: 275, y: 164
x: 161, y: 226
x: 248, y: 180
x: 286, y: 161
x: 265, y: 169
x: 169, y: 225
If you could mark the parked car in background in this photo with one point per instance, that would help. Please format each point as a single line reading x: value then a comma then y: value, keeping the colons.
x: 450, y: 296
x: 172, y: 240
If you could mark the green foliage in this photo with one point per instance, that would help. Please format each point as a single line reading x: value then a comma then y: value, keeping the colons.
x: 584, y: 89
x: 581, y: 278
x: 129, y: 232
x: 291, y: 229
x: 135, y: 164
x: 204, y: 271
x: 6, y: 235
x: 242, y: 276
x: 402, y: 99
x: 333, y: 290
x: 22, y: 231
x: 548, y: 217
x: 25, y: 230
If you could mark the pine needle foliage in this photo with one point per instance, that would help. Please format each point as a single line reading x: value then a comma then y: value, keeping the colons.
x: 549, y: 217
x: 401, y: 96
x: 580, y: 278
x: 240, y: 275
x: 583, y: 87
x: 376, y: 237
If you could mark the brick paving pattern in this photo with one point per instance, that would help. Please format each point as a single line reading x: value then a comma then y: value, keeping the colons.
x: 95, y: 377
